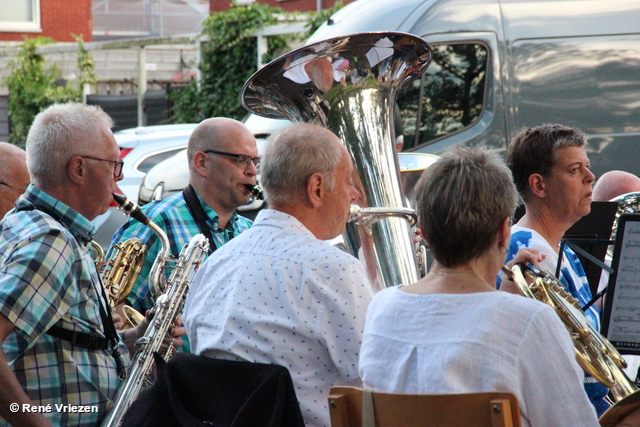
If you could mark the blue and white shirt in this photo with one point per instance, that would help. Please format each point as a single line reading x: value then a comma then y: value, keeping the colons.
x: 277, y: 294
x: 575, y: 281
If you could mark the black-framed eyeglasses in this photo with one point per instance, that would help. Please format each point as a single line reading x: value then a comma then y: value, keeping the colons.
x: 117, y: 164
x: 242, y: 160
x: 20, y: 190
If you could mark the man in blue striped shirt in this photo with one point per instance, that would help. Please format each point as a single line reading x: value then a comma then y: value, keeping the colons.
x: 223, y: 158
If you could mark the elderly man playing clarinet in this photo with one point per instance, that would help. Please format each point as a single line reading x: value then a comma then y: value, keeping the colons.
x: 279, y: 293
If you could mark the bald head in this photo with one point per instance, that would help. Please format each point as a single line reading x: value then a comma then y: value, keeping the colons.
x: 14, y: 175
x: 218, y: 133
x: 615, y: 183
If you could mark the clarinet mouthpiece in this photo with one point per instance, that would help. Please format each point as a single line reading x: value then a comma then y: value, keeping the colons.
x: 130, y: 208
x: 255, y: 190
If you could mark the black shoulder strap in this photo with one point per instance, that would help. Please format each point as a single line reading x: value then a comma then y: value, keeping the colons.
x: 88, y: 340
x: 195, y: 207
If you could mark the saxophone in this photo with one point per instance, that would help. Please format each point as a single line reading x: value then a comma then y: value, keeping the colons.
x: 121, y: 271
x: 170, y: 296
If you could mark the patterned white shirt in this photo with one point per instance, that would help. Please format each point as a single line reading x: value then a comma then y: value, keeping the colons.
x: 276, y: 294
x: 470, y: 343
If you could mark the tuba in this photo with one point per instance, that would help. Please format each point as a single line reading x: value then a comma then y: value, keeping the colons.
x: 349, y: 85
x: 594, y: 353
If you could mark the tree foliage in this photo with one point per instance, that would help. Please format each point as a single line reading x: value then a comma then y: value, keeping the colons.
x: 33, y: 86
x: 229, y: 59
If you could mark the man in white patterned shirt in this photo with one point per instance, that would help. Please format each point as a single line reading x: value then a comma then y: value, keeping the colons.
x: 279, y: 293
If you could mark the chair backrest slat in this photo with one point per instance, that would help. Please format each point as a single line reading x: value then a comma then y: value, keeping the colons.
x: 443, y: 410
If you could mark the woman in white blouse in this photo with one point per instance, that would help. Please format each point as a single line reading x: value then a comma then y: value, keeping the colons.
x: 452, y: 332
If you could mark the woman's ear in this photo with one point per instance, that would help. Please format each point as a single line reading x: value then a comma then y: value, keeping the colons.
x: 504, y: 235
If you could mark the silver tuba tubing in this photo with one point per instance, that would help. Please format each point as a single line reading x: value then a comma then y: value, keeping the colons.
x: 349, y: 85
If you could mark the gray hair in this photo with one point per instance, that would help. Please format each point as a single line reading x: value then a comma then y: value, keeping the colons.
x: 59, y: 133
x: 293, y: 155
x: 462, y: 200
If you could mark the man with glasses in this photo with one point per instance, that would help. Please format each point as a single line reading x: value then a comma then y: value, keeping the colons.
x: 14, y: 176
x: 60, y: 349
x: 223, y: 160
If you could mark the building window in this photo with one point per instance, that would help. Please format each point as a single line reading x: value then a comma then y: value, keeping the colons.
x: 449, y: 96
x: 20, y: 16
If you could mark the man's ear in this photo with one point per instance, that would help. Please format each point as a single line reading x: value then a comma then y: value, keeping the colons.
x: 538, y: 185
x: 316, y: 189
x: 199, y: 162
x: 77, y: 170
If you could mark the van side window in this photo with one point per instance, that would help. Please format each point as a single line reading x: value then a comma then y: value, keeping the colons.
x: 449, y: 96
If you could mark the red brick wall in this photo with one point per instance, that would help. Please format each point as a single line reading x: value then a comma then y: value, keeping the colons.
x: 59, y: 19
x: 288, y: 5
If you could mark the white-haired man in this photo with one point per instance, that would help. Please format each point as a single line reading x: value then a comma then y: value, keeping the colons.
x: 60, y: 349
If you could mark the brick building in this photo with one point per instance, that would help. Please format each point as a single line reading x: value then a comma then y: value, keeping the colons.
x: 288, y: 5
x: 21, y: 19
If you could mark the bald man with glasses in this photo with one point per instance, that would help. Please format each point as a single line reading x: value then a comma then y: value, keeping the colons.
x: 223, y: 160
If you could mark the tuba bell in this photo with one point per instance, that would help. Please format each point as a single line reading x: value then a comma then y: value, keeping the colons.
x: 349, y: 85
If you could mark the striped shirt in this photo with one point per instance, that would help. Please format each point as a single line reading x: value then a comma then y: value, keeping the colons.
x: 173, y: 217
x: 575, y: 281
x: 47, y: 278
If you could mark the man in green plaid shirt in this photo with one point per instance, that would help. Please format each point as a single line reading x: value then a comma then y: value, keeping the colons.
x: 58, y: 363
x: 223, y: 157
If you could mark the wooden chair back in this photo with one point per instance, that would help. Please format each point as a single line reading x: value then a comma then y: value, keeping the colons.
x: 441, y: 410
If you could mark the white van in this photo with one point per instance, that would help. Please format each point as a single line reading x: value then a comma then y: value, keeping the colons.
x: 499, y: 65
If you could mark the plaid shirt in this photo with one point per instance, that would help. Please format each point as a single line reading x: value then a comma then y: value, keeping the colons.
x: 47, y: 278
x: 173, y: 217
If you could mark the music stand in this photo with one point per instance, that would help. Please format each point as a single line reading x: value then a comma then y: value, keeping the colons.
x: 592, y: 233
x: 621, y: 315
